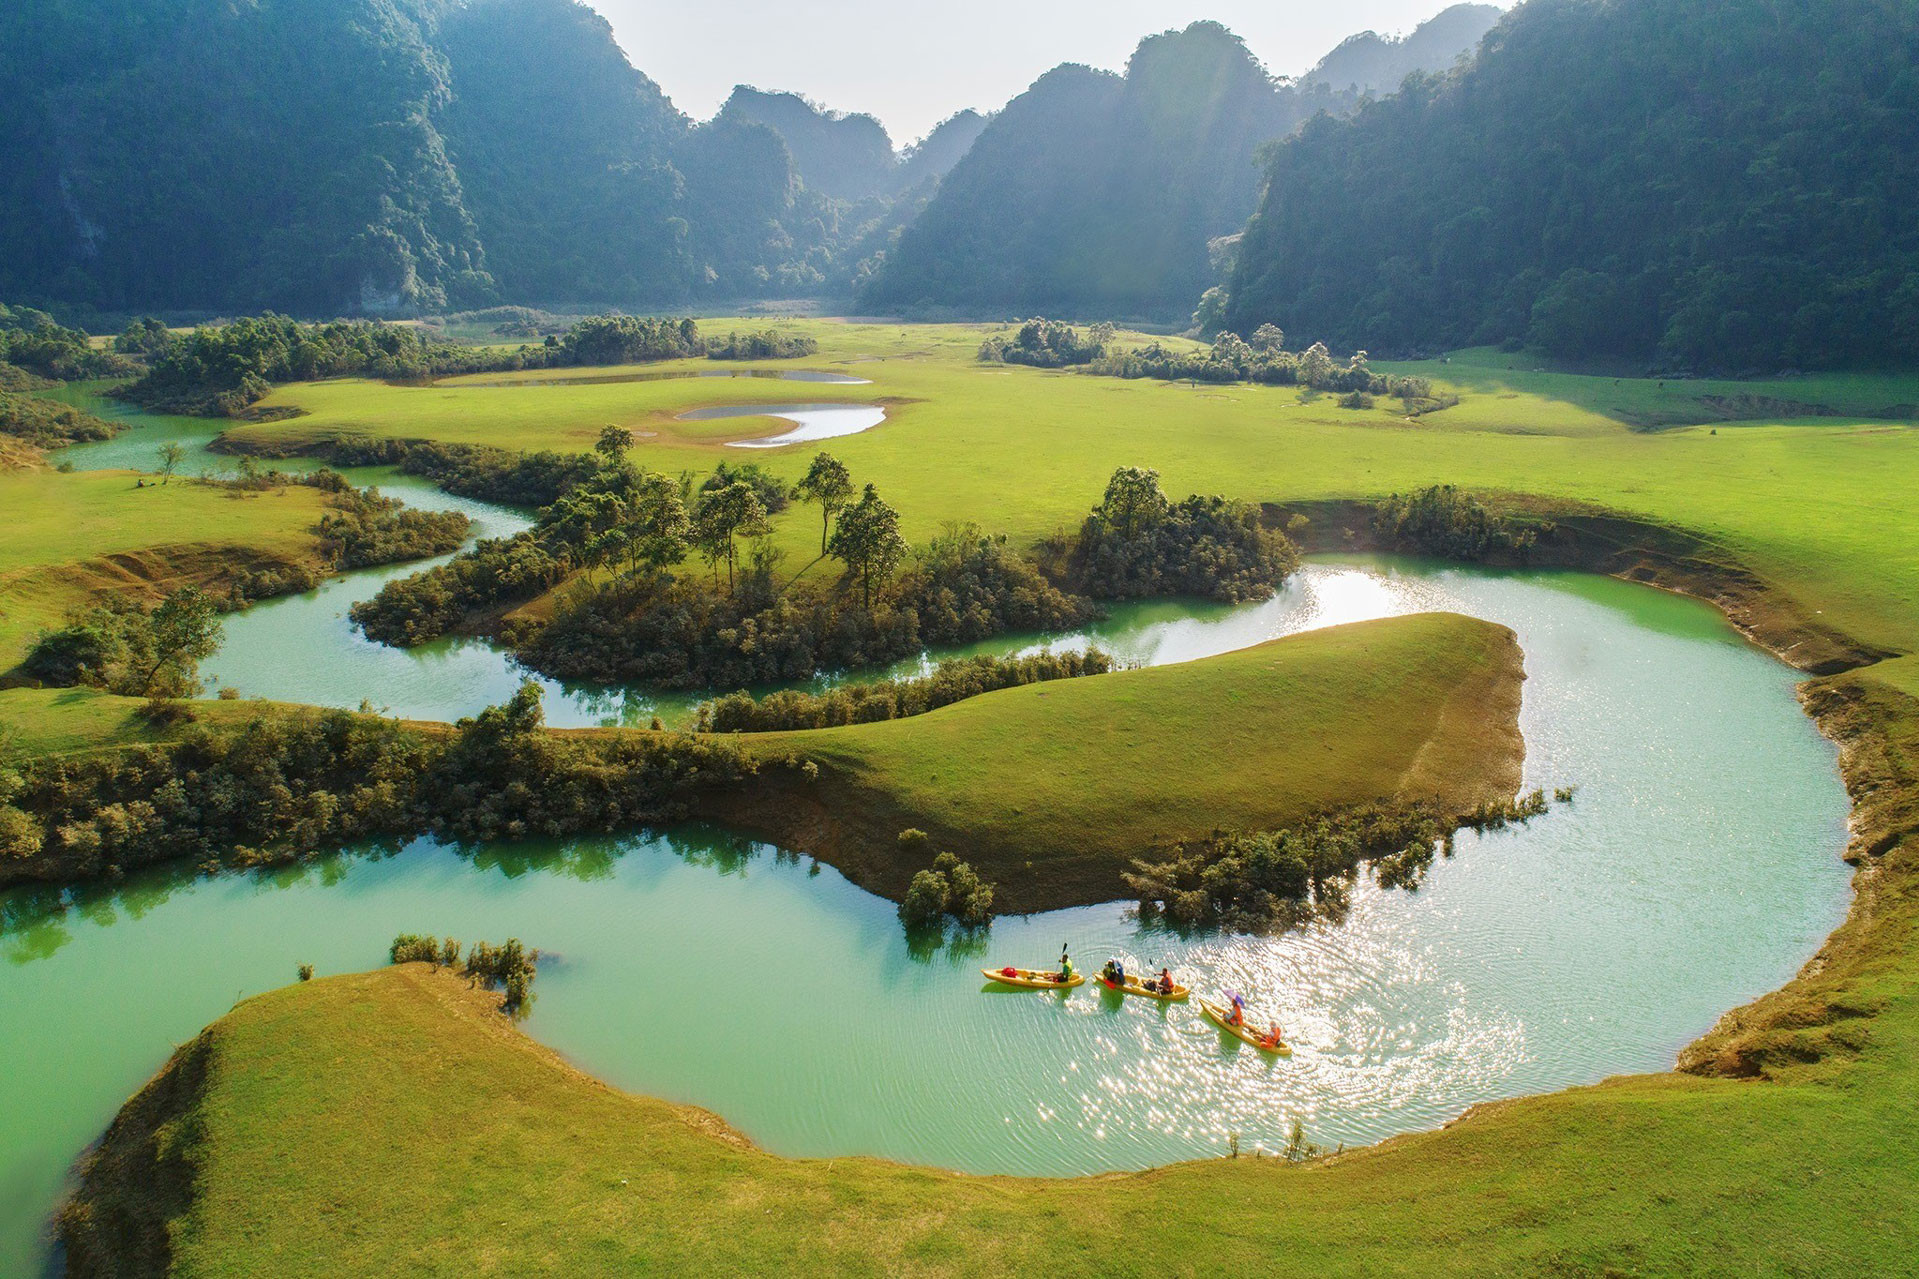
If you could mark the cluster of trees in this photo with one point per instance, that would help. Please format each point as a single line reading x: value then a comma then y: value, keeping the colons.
x: 221, y: 370
x: 951, y: 681
x: 284, y: 784
x: 33, y: 341
x: 1272, y: 881
x: 363, y: 528
x: 632, y: 613
x: 131, y: 648
x: 1695, y: 185
x: 1138, y: 543
x: 1048, y: 344
x: 473, y: 470
x: 42, y: 423
x: 948, y: 889
x: 1441, y: 520
x: 1264, y: 358
x: 509, y: 966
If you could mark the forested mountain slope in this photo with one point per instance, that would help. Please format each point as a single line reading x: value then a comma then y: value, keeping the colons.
x: 1372, y: 63
x: 1703, y: 184
x: 1097, y: 195
x: 1096, y: 192
x: 371, y: 155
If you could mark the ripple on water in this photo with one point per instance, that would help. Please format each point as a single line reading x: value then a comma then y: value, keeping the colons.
x: 1697, y: 868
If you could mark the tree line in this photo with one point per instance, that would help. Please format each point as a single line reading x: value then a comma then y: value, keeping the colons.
x: 631, y: 610
x: 221, y: 370
x: 287, y: 783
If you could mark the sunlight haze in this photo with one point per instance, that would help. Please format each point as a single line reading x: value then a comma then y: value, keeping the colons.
x: 912, y: 65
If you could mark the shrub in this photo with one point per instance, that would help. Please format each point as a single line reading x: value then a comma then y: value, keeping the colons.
x: 1443, y: 521
x: 1136, y: 543
x: 949, y: 889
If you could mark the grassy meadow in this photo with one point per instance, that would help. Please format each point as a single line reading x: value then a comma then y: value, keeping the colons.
x: 1804, y: 1165
x: 1815, y: 505
x: 1045, y: 788
x: 69, y: 539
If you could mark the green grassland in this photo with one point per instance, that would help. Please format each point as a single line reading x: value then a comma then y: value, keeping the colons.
x: 334, y: 1126
x: 1816, y: 506
x: 1041, y: 787
x: 70, y: 539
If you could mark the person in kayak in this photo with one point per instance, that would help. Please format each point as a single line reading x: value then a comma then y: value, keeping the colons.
x: 1239, y: 1012
x: 1065, y: 973
x: 1165, y: 981
x: 1275, y: 1039
x: 1111, y: 973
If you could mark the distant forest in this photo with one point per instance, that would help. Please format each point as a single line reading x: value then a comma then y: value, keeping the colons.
x: 393, y: 156
x: 1703, y: 185
x: 1720, y: 185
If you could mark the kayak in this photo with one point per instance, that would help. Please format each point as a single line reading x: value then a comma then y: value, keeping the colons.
x: 1034, y: 978
x: 1133, y: 986
x: 1223, y: 1019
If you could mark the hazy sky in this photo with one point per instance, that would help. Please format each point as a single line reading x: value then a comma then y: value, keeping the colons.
x: 912, y: 63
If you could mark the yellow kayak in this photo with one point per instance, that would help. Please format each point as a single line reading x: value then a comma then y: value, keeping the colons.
x: 1134, y: 986
x: 1224, y: 1020
x: 1033, y: 978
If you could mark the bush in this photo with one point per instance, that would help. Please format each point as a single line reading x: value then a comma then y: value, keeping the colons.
x: 1137, y: 544
x: 950, y: 888
x: 1047, y: 344
x: 1443, y: 521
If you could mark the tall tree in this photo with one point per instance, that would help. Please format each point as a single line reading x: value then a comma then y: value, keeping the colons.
x: 867, y: 540
x: 722, y: 517
x: 828, y: 483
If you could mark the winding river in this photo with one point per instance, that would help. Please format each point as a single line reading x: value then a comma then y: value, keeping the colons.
x: 1697, y: 867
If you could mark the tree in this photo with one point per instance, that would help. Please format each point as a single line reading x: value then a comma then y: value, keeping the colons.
x: 655, y: 529
x: 1268, y: 338
x: 1133, y: 501
x: 826, y: 482
x: 171, y: 455
x: 613, y: 443
x: 165, y: 650
x: 724, y: 515
x: 867, y: 540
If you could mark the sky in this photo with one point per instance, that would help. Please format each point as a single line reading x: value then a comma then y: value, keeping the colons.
x: 912, y: 63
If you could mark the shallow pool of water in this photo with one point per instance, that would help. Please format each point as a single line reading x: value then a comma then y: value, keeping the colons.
x: 1697, y: 867
x: 810, y: 421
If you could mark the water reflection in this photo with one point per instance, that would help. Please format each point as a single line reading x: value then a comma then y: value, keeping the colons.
x: 810, y: 421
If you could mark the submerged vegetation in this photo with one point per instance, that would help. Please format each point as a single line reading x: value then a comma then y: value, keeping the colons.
x: 1272, y: 881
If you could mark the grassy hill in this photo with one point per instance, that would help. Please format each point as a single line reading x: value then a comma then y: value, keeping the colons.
x: 269, y: 1146
x: 74, y: 538
x: 1052, y: 789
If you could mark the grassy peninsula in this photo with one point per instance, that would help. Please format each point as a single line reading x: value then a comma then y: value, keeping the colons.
x: 1045, y: 788
x: 274, y: 1127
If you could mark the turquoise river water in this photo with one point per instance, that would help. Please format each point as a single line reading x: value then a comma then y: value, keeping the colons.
x: 1697, y: 867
